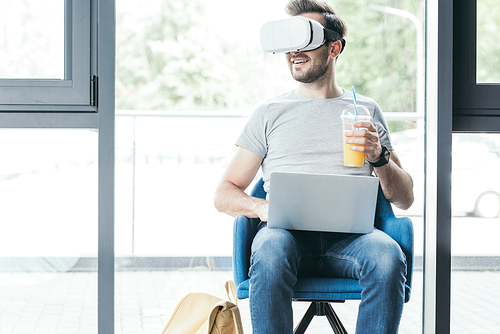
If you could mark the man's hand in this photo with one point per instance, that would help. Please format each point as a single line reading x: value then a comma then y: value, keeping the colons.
x: 230, y: 196
x: 366, y: 135
x: 396, y: 184
x: 261, y: 210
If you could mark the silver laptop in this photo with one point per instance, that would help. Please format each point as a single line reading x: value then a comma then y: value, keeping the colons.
x: 320, y: 202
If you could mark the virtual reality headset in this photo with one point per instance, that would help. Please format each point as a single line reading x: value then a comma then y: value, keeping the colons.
x: 296, y: 34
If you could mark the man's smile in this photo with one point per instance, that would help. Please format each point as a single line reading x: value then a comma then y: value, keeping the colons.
x: 299, y: 61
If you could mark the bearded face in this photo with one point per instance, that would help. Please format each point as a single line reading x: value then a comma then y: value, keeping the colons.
x: 307, y: 67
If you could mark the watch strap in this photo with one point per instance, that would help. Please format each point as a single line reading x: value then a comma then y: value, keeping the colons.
x: 384, y: 158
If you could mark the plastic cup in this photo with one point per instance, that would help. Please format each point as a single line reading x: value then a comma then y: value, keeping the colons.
x: 349, y: 117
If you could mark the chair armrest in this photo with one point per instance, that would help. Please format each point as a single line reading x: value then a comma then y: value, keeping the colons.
x: 400, y: 229
x: 244, y: 231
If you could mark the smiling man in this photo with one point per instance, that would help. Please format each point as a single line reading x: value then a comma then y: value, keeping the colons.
x: 300, y: 131
x: 304, y: 69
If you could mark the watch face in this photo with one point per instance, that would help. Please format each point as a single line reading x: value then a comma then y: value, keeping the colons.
x: 386, y: 153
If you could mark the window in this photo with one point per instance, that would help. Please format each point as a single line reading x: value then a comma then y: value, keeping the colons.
x: 475, y: 67
x: 488, y: 50
x: 57, y: 176
x: 180, y: 109
x: 476, y: 217
x: 48, y: 244
x: 29, y: 52
x: 46, y: 56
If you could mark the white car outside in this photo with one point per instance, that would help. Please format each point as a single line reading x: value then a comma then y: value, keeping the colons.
x: 475, y: 172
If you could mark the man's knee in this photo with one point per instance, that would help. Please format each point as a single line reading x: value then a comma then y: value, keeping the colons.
x: 387, y: 260
x: 275, y: 250
x: 393, y: 261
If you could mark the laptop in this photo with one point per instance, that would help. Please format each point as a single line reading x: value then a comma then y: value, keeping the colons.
x: 321, y: 202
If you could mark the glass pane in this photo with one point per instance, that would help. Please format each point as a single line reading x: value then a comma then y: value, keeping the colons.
x: 185, y: 86
x: 409, y: 145
x: 32, y: 39
x: 48, y: 243
x: 488, y: 41
x: 475, y: 229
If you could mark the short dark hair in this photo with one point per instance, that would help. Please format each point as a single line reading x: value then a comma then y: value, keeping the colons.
x: 333, y: 21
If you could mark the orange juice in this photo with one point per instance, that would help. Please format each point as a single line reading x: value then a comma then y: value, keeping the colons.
x: 353, y: 158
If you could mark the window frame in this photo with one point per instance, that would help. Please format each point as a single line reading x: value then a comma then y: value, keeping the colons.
x: 98, y: 47
x: 455, y: 102
x: 476, y: 106
x: 75, y: 93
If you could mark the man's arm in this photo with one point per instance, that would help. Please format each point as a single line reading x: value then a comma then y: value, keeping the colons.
x: 396, y: 183
x: 230, y: 196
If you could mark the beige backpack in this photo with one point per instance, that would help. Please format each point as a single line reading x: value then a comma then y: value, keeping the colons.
x: 201, y: 313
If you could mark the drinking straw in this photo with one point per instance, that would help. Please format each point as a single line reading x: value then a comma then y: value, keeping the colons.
x: 354, y: 98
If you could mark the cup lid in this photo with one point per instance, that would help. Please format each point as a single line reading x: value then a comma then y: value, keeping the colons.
x: 349, y: 111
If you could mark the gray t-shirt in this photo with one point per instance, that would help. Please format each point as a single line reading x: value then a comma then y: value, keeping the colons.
x: 296, y: 133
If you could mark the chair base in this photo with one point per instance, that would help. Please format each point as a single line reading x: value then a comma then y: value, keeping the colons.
x: 320, y: 308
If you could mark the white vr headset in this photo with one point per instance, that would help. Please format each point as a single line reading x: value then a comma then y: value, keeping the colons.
x: 296, y: 34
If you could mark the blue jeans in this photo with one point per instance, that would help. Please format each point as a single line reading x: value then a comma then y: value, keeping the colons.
x: 279, y: 256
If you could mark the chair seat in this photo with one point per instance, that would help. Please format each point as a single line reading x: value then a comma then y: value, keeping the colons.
x: 316, y: 288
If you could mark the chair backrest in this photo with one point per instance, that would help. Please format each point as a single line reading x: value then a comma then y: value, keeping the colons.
x: 398, y: 228
x: 258, y: 189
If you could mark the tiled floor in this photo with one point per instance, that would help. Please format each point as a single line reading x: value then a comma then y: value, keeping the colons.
x: 66, y: 302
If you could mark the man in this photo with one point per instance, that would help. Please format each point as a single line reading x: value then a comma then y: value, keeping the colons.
x: 299, y: 131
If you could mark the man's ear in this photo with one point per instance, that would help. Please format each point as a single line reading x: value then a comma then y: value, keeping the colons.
x: 335, y: 48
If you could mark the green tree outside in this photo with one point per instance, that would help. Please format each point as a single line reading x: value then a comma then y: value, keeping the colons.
x: 174, y: 60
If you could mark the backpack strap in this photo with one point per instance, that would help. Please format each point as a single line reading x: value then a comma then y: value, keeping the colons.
x: 231, y: 292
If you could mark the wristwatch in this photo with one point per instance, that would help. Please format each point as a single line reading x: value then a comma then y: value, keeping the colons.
x: 384, y: 158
